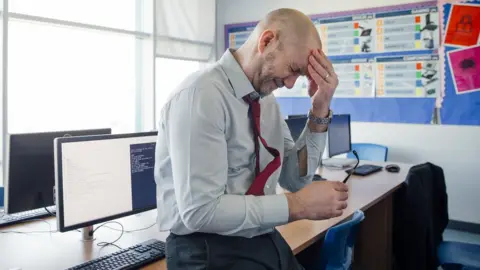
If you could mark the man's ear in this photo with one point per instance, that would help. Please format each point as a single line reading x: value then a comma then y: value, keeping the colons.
x: 267, y: 38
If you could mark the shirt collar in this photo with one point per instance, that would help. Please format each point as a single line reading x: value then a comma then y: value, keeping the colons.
x: 239, y: 81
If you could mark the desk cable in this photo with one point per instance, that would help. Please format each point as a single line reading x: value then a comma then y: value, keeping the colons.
x: 100, y: 244
x: 131, y: 231
x: 32, y: 232
x: 104, y: 244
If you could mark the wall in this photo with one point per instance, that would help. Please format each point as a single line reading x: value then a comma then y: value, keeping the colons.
x: 455, y: 148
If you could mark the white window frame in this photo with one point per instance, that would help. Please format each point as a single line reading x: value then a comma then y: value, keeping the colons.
x: 145, y: 109
x: 141, y: 112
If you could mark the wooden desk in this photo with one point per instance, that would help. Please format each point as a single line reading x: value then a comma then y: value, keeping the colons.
x: 62, y: 250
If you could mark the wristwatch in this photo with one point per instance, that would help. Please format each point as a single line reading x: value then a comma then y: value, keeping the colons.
x: 319, y: 120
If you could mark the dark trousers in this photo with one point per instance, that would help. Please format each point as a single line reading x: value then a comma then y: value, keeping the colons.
x: 211, y: 251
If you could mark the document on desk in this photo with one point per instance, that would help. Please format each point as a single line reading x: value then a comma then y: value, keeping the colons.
x: 98, y: 177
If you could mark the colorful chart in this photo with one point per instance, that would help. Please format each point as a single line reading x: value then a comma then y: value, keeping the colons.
x: 407, y: 30
x: 238, y: 35
x: 347, y: 35
x: 356, y: 78
x: 408, y: 76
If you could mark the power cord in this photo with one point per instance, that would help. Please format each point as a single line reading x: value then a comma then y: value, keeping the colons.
x: 32, y: 232
x: 131, y: 231
x: 100, y: 244
x: 104, y: 244
x: 48, y: 211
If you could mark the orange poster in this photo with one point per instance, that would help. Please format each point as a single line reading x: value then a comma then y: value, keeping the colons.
x: 463, y: 28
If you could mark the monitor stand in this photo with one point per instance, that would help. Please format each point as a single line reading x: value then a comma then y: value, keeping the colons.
x: 87, y: 234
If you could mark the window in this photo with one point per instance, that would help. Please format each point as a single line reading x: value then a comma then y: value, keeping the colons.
x: 65, y: 78
x: 108, y: 13
x: 1, y: 97
x: 79, y: 64
x: 169, y: 73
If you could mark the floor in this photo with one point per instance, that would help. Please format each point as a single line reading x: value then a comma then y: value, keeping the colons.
x: 459, y: 236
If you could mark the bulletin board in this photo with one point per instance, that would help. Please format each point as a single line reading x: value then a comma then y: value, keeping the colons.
x: 461, y: 23
x: 387, y: 60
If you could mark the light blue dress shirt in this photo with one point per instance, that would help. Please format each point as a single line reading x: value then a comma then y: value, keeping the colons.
x: 205, y: 157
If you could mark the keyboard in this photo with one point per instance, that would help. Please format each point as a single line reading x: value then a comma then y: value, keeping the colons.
x: 11, y: 219
x: 128, y: 258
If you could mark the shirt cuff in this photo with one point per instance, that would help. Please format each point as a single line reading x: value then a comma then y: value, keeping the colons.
x: 275, y: 210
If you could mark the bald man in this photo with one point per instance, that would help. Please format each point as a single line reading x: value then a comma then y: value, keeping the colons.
x: 223, y: 146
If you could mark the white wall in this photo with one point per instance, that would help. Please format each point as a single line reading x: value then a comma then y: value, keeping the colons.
x: 455, y: 148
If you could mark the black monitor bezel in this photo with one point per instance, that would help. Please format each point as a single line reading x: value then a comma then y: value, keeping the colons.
x: 8, y: 194
x: 59, y: 186
x: 330, y: 154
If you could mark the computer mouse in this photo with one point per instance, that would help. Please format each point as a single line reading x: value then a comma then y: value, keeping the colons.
x: 393, y: 168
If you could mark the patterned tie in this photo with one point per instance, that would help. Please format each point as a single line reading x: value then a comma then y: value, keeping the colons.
x: 261, y: 177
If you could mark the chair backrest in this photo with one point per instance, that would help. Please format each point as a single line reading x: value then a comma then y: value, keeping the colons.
x: 369, y: 151
x: 337, y: 248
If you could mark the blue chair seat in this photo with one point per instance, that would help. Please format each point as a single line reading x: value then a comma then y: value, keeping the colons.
x: 369, y: 151
x: 457, y: 253
x: 337, y: 248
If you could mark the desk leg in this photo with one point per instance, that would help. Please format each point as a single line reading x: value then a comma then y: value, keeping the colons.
x: 373, y: 248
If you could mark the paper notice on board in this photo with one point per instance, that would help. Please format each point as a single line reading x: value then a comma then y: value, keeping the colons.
x: 465, y: 69
x: 463, y: 26
x: 356, y: 78
x: 408, y: 76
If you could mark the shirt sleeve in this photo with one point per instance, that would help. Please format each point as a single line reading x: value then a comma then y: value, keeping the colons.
x: 195, y: 123
x: 290, y: 178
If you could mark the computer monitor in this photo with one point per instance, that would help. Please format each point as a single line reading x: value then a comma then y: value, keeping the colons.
x: 339, y: 138
x: 103, y: 178
x: 296, y: 126
x: 292, y: 116
x: 30, y: 173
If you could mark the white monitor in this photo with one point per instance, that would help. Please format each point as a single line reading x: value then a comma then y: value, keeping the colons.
x: 105, y: 177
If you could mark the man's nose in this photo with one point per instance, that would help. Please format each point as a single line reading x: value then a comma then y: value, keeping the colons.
x: 289, y: 82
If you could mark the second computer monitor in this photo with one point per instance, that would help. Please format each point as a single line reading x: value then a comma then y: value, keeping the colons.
x: 339, y: 137
x: 30, y: 175
x: 296, y: 125
x: 104, y: 178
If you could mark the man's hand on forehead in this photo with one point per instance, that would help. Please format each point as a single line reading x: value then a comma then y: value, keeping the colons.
x: 322, y: 80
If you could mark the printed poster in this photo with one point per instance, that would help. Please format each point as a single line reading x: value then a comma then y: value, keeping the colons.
x: 463, y: 26
x: 465, y: 69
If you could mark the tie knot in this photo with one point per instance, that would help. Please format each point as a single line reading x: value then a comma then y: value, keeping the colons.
x: 253, y: 97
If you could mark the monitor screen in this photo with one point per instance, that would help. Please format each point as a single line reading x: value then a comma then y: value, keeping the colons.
x: 339, y: 139
x: 104, y: 178
x: 291, y: 116
x: 30, y: 169
x: 296, y: 126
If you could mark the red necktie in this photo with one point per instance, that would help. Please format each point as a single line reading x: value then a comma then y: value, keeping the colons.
x: 261, y: 177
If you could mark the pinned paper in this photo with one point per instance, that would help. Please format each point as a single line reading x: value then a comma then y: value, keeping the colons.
x: 465, y: 69
x: 463, y: 26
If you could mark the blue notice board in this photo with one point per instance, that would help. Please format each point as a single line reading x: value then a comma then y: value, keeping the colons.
x: 388, y: 66
x: 460, y: 106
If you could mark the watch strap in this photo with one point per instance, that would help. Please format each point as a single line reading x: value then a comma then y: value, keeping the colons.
x: 320, y: 120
